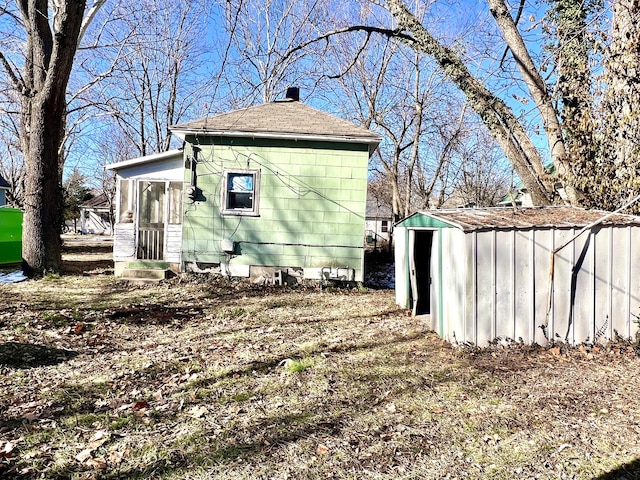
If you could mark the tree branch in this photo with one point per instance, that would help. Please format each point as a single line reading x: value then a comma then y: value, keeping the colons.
x: 388, y: 32
x: 17, y: 82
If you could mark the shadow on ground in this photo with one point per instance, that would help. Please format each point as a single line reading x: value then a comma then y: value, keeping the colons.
x: 28, y: 355
x: 628, y: 471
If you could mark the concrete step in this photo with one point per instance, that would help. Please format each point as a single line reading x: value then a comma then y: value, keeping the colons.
x: 148, y: 273
x: 150, y: 264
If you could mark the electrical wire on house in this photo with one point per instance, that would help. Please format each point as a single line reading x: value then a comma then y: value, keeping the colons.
x: 299, y: 192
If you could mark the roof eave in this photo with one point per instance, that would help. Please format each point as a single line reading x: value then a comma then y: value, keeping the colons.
x: 457, y: 225
x: 146, y: 159
x: 372, y: 141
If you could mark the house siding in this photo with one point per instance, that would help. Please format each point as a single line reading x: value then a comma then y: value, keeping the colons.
x: 311, y: 204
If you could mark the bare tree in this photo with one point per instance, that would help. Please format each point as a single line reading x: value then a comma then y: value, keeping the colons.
x: 388, y: 87
x: 50, y: 33
x: 11, y: 162
x: 260, y: 34
x: 499, y: 118
x: 157, y: 70
x: 480, y: 174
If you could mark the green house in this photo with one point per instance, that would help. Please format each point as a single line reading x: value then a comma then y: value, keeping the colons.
x: 275, y: 191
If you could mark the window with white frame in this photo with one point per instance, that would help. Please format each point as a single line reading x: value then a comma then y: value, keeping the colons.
x: 240, y: 192
x: 125, y: 207
x: 175, y: 203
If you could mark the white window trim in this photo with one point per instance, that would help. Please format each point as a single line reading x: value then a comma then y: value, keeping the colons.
x: 250, y: 212
x: 130, y: 200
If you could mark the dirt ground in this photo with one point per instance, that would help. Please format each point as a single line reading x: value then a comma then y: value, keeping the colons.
x: 87, y: 253
x: 204, y: 377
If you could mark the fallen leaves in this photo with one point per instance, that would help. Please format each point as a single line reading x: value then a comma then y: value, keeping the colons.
x: 114, y: 455
x: 86, y: 455
x: 322, y: 449
x: 197, y: 411
x: 140, y: 405
x: 7, y: 450
x: 166, y: 371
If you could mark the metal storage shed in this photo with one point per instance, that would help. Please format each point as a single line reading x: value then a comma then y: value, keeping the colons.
x: 484, y: 274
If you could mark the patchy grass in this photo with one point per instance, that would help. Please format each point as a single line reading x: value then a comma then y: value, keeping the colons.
x: 206, y: 378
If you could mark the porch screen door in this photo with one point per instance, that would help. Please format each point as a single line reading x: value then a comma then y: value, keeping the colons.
x: 151, y: 220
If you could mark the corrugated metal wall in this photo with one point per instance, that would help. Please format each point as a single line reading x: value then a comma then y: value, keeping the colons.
x: 496, y: 284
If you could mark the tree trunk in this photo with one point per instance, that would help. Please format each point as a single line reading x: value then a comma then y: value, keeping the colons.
x: 50, y: 50
x: 43, y: 193
x: 574, y: 86
x: 538, y: 90
x: 532, y: 78
x: 623, y: 72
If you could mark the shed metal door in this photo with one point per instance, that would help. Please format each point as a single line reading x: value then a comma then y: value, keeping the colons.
x: 420, y: 246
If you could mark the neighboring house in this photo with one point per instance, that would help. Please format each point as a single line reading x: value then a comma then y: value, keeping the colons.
x: 271, y: 191
x: 95, y: 216
x: 518, y: 197
x: 4, y: 188
x: 379, y: 223
x: 483, y: 274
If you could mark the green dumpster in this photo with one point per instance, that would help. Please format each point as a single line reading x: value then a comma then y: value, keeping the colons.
x: 10, y: 235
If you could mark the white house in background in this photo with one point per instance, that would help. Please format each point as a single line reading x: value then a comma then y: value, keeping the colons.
x: 484, y: 273
x: 378, y: 223
x: 95, y: 216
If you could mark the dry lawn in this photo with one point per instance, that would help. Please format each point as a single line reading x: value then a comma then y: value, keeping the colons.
x: 202, y: 378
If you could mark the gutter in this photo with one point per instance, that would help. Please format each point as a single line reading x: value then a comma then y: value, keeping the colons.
x: 373, y: 142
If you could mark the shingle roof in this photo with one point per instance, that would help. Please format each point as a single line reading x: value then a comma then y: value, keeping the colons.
x: 469, y: 219
x: 280, y: 119
x: 4, y: 183
x: 377, y: 209
x: 98, y: 201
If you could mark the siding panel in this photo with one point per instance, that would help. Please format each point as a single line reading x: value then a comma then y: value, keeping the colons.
x: 634, y: 283
x: 485, y: 274
x: 504, y: 284
x: 309, y: 198
x: 619, y: 280
x: 124, y: 244
x: 523, y: 293
x: 562, y: 286
x: 601, y: 284
x: 582, y: 289
x: 543, y: 241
